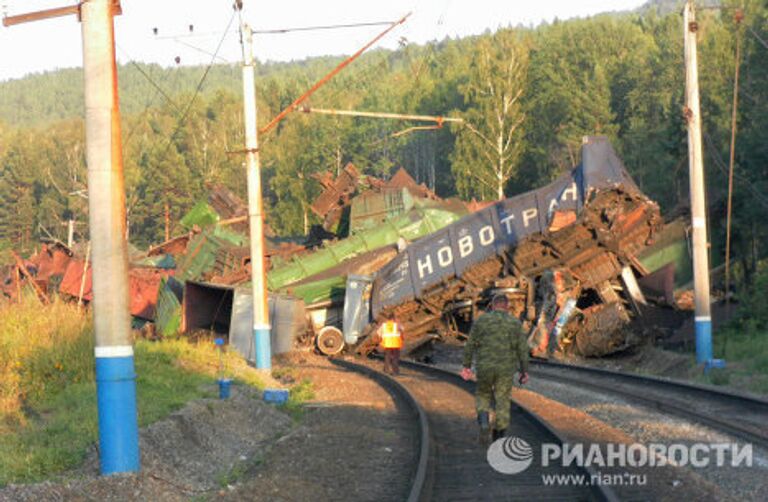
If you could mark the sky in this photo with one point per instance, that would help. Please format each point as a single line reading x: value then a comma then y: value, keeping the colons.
x: 56, y: 43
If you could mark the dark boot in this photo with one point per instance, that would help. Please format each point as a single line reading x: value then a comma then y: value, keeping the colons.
x: 499, y: 433
x: 485, y: 428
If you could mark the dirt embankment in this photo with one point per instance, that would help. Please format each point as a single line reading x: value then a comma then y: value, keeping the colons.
x: 350, y: 442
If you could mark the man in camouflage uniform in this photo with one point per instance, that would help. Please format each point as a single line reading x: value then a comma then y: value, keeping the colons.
x: 497, y: 343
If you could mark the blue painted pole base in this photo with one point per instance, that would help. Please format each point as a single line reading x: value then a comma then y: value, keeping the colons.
x: 225, y: 385
x: 118, y: 423
x: 703, y: 340
x: 263, y: 345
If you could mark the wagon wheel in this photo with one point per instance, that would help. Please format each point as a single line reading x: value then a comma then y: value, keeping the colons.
x: 330, y: 341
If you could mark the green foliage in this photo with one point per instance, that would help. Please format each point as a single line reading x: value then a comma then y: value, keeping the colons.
x: 620, y: 75
x: 48, y: 418
x: 489, y: 144
x: 298, y: 395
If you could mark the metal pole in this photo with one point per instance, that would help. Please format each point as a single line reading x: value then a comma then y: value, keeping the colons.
x: 115, y: 375
x: 261, y: 327
x: 698, y: 211
x: 280, y: 116
x: 381, y: 115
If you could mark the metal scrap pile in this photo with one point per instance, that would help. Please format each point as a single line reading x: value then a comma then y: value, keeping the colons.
x: 591, y: 222
x: 395, y: 246
x: 58, y: 269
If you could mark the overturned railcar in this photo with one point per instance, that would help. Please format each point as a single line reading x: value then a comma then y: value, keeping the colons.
x: 591, y: 221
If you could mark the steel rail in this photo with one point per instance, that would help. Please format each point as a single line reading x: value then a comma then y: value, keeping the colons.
x: 601, y: 492
x: 607, y: 380
x: 421, y: 487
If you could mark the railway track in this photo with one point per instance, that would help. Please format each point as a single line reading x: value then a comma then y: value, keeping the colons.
x: 741, y: 415
x: 451, y: 464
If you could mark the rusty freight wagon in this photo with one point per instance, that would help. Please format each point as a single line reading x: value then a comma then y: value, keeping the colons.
x: 590, y: 222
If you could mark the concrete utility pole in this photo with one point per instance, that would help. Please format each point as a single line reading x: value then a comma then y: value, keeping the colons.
x: 698, y: 210
x: 115, y: 375
x: 261, y: 327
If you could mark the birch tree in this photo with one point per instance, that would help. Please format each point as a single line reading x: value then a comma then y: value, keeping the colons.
x: 489, y: 144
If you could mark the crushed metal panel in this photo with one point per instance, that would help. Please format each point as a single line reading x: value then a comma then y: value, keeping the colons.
x: 168, y: 311
x: 660, y: 284
x: 229, y: 206
x: 173, y: 247
x: 329, y: 290
x: 365, y: 264
x: 372, y: 208
x: 226, y: 203
x: 287, y: 316
x: 211, y: 255
x: 52, y: 260
x: 143, y: 287
x: 602, y: 168
x: 73, y: 278
x: 201, y: 215
x: 401, y: 179
x: 590, y: 247
x: 337, y: 195
x: 357, y: 299
x: 393, y: 284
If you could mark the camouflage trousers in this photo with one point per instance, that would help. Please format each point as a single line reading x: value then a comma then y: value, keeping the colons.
x: 494, y: 385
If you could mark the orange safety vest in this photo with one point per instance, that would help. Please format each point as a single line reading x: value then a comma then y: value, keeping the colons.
x: 391, y: 338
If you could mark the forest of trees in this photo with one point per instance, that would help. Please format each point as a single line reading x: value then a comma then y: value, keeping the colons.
x: 528, y: 96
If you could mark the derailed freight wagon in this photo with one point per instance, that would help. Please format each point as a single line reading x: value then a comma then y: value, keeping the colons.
x: 590, y: 222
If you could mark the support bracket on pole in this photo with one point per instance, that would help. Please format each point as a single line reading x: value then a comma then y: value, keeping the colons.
x: 54, y: 13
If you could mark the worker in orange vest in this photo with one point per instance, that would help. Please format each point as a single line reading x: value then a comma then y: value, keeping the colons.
x: 391, y: 341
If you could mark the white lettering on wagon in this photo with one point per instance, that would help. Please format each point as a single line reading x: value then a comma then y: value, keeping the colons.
x: 486, y: 236
x: 423, y: 265
x: 528, y: 215
x: 445, y: 256
x: 465, y: 246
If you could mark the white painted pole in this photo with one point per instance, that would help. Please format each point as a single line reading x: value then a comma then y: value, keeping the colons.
x: 261, y: 327
x: 70, y: 232
x: 115, y: 375
x: 698, y: 210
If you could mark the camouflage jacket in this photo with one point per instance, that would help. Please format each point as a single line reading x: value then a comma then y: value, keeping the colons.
x: 496, y: 340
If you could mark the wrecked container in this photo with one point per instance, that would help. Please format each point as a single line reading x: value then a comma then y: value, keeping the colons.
x: 287, y: 319
x: 413, y: 225
x: 227, y: 310
x: 519, y: 238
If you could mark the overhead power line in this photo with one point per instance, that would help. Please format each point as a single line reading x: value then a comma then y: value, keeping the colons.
x: 279, y: 31
x: 763, y: 42
x: 180, y: 123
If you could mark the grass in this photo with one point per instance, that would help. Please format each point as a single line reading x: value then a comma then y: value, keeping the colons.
x: 297, y: 396
x: 48, y: 416
x: 743, y: 341
x: 744, y: 346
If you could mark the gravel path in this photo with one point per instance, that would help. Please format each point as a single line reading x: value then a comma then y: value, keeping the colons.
x: 645, y: 425
x: 353, y: 444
